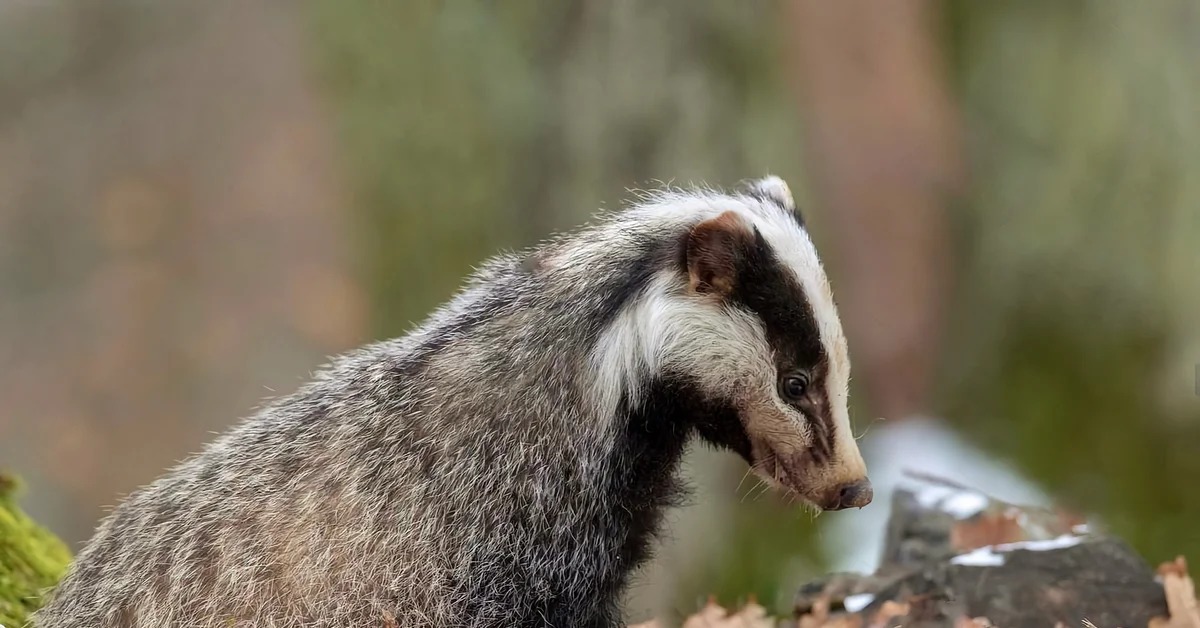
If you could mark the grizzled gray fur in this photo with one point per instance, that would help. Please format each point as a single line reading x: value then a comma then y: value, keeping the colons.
x: 507, y: 463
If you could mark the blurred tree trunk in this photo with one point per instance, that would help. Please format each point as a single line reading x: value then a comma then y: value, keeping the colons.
x: 883, y: 156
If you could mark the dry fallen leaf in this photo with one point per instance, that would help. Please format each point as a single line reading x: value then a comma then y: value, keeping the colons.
x: 987, y: 529
x: 817, y: 616
x: 753, y: 615
x: 844, y: 621
x: 1181, y: 597
x: 710, y: 615
x: 714, y: 616
x: 750, y: 616
x: 888, y: 612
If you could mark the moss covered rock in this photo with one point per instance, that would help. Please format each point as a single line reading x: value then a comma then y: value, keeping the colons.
x: 31, y: 558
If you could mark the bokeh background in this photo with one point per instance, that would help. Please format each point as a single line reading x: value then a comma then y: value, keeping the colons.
x: 202, y: 200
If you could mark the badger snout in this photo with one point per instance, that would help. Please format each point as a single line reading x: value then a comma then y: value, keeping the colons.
x: 855, y: 494
x: 823, y: 486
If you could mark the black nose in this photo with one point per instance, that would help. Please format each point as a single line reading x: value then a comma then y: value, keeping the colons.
x: 854, y: 495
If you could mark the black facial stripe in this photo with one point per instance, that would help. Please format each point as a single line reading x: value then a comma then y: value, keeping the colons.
x: 822, y: 427
x: 763, y: 197
x: 771, y: 292
x: 623, y: 282
x: 798, y: 216
x: 826, y: 429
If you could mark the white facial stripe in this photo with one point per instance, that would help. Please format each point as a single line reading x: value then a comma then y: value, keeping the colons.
x: 665, y: 330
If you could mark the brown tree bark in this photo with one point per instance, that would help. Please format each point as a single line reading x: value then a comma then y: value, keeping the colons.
x: 883, y: 144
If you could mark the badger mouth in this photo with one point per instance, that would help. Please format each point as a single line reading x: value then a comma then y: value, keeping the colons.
x: 789, y: 474
x: 778, y: 474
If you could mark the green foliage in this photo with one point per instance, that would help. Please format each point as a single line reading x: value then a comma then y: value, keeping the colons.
x: 1078, y: 289
x: 31, y: 559
x: 424, y: 144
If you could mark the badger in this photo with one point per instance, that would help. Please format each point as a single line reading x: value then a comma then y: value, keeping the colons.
x: 508, y: 462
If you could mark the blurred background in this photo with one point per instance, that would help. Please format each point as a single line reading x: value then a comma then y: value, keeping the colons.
x: 202, y: 200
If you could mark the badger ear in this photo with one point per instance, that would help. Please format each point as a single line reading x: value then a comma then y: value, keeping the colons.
x: 716, y: 251
x: 772, y: 189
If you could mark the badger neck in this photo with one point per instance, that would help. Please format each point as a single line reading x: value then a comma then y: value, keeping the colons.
x: 605, y: 451
x: 648, y: 452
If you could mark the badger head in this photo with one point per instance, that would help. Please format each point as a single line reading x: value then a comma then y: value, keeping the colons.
x: 746, y: 316
x: 785, y: 369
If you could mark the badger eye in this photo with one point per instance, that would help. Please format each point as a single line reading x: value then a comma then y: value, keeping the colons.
x: 795, y: 386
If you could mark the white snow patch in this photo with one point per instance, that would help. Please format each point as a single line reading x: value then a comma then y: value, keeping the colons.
x: 958, y: 503
x: 982, y: 557
x: 857, y: 602
x: 931, y: 496
x: 1064, y: 541
x: 964, y: 505
x: 992, y: 555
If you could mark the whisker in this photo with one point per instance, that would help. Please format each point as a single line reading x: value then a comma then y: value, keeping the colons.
x: 868, y: 428
x: 749, y: 470
x: 766, y: 488
x: 751, y: 491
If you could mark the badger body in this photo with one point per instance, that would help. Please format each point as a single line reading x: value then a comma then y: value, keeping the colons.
x: 508, y: 462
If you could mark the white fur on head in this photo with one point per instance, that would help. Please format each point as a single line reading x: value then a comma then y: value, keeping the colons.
x: 668, y: 327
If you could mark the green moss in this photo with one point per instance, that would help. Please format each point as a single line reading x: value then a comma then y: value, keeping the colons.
x: 31, y: 558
